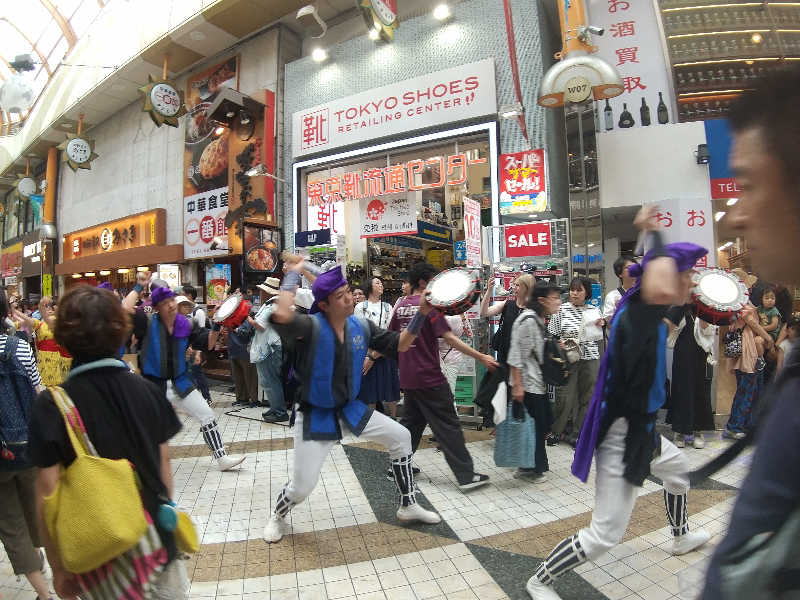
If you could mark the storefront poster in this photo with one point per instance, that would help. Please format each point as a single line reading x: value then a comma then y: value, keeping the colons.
x: 261, y: 249
x: 387, y: 217
x: 171, y: 274
x: 472, y: 232
x: 532, y: 239
x: 522, y: 183
x: 12, y: 262
x: 47, y: 284
x: 460, y: 250
x: 689, y: 220
x: 218, y: 279
x: 632, y: 45
x: 203, y: 220
x: 455, y: 94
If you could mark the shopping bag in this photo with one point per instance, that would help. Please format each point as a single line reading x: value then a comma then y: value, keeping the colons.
x: 499, y: 402
x: 515, y: 442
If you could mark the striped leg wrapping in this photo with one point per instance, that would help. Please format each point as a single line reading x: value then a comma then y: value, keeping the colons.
x: 284, y: 505
x: 213, y: 439
x: 676, y: 513
x: 404, y: 479
x: 564, y: 557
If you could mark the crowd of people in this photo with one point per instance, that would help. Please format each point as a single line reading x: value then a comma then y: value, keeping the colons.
x: 337, y: 363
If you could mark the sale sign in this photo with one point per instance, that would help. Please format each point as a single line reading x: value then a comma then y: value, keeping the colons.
x: 532, y: 239
x: 472, y: 231
x: 522, y: 182
x: 384, y: 217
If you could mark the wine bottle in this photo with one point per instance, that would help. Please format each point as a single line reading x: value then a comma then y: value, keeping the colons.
x: 609, y: 116
x: 626, y: 118
x: 644, y: 112
x: 661, y: 110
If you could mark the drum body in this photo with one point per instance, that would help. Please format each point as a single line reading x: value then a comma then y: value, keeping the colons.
x: 720, y: 295
x: 232, y: 312
x: 454, y: 291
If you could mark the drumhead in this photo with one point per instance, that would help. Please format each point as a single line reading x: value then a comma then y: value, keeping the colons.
x: 450, y: 286
x: 227, y: 308
x: 720, y: 288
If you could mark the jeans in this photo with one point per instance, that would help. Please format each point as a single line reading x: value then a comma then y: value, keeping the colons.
x: 269, y: 375
x: 200, y: 381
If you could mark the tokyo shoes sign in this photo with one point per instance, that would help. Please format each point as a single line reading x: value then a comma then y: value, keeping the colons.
x: 455, y: 94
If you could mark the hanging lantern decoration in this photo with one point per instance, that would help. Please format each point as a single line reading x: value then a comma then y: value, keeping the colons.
x: 16, y: 94
x: 162, y: 99
x: 78, y: 152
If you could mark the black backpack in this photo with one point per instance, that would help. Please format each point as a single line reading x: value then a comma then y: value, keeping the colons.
x: 16, y: 399
x: 553, y: 362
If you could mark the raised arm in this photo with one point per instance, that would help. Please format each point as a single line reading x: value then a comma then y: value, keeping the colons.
x: 494, y: 309
x: 660, y: 280
x: 142, y: 281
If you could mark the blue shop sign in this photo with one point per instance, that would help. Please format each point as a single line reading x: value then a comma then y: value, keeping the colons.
x: 460, y: 250
x: 434, y: 233
x: 318, y: 237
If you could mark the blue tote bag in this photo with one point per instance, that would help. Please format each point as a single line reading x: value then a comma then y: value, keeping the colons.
x: 515, y: 442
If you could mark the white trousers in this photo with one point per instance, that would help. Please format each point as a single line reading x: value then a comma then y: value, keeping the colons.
x: 615, y: 496
x: 309, y: 455
x: 193, y: 403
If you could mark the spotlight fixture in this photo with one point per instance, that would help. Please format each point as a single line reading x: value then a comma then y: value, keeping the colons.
x: 244, y: 117
x: 260, y: 170
x: 702, y: 154
x: 104, y: 273
x: 756, y: 38
x: 215, y: 243
x: 123, y: 271
x: 219, y: 131
x: 90, y: 274
x: 373, y: 34
x: 725, y: 246
x: 319, y: 55
x: 441, y: 12
x: 76, y: 275
x: 718, y: 216
x: 732, y: 201
x: 142, y: 269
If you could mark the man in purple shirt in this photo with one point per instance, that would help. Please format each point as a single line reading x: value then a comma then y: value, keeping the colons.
x: 428, y: 399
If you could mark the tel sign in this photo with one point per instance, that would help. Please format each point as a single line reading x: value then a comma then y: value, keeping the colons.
x: 528, y: 240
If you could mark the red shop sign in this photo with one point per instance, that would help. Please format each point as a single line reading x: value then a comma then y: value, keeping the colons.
x: 528, y: 240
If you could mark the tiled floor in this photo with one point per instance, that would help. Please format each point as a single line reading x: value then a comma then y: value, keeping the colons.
x: 346, y: 543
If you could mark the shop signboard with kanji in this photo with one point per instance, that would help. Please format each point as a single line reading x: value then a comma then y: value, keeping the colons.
x: 472, y: 232
x: 143, y: 229
x: 688, y: 220
x: 203, y: 220
x: 522, y: 183
x: 632, y: 45
x: 454, y: 94
x: 385, y: 217
x: 532, y: 239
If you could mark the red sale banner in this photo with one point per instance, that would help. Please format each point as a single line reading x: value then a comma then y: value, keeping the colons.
x: 528, y: 240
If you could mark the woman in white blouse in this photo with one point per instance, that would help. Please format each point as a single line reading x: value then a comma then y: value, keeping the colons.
x: 572, y: 400
x: 380, y: 381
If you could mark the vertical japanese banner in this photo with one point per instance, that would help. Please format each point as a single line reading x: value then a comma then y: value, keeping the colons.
x: 522, y: 183
x: 206, y: 155
x: 203, y: 220
x: 689, y: 220
x: 632, y: 44
x: 472, y: 232
x: 387, y: 216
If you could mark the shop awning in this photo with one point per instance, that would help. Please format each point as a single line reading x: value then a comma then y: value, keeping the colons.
x: 132, y: 257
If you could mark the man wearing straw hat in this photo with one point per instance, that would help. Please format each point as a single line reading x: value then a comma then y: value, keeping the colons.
x: 266, y: 354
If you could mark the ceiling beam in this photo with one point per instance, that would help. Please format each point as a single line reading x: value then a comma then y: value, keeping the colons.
x: 32, y: 45
x: 66, y: 28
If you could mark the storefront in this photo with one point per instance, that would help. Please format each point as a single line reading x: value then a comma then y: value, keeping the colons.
x: 114, y: 251
x: 37, y: 266
x: 12, y: 269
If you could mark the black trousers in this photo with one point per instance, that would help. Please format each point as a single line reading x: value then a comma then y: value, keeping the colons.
x: 245, y: 378
x: 538, y: 407
x: 434, y: 407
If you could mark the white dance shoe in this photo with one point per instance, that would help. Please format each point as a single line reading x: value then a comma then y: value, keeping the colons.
x: 416, y: 513
x: 273, y: 532
x: 683, y: 544
x: 539, y: 591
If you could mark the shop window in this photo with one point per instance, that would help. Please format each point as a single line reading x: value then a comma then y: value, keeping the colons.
x: 11, y: 218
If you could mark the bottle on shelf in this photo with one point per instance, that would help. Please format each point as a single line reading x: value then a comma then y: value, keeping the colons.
x: 661, y: 110
x: 626, y: 118
x: 644, y: 113
x: 608, y: 116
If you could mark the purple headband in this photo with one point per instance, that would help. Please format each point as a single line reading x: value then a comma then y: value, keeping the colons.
x: 106, y: 286
x: 159, y: 294
x: 685, y: 254
x: 325, y: 285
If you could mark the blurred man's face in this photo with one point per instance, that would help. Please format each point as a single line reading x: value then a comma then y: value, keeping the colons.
x: 767, y: 212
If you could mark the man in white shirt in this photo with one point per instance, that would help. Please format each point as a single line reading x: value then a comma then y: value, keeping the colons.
x: 626, y: 282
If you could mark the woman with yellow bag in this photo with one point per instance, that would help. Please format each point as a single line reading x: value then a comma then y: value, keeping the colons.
x: 101, y: 442
x: 53, y: 360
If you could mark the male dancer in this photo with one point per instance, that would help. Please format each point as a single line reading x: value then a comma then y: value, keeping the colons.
x: 621, y: 420
x: 164, y: 336
x: 428, y: 398
x: 331, y: 345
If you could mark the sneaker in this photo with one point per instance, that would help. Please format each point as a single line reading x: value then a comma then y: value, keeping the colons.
x: 683, y: 544
x: 273, y: 418
x: 699, y: 441
x: 733, y: 435
x: 477, y: 481
x: 679, y: 441
x: 760, y: 364
x: 416, y: 513
x: 390, y: 473
x: 241, y: 403
x: 531, y: 476
x: 226, y: 463
x: 267, y: 413
x: 273, y: 532
x: 551, y: 440
x: 540, y: 591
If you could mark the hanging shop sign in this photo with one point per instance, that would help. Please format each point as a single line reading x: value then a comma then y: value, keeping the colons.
x: 434, y: 233
x: 387, y: 217
x: 688, y: 220
x: 204, y: 224
x: 522, y: 183
x: 632, y: 44
x: 262, y: 248
x: 460, y: 250
x: 532, y: 239
x: 413, y: 176
x: 472, y: 232
x: 455, y: 94
x: 37, y: 255
x: 163, y: 101
x: 78, y: 152
x: 47, y: 284
x: 318, y: 237
x: 12, y: 261
x: 143, y: 229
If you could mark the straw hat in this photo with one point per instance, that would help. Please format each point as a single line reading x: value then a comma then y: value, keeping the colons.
x: 182, y: 299
x: 271, y: 286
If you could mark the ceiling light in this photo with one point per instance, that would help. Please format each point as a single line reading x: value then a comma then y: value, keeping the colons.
x: 373, y: 34
x: 319, y: 55
x: 142, y: 269
x: 219, y: 131
x: 104, y: 273
x: 90, y: 274
x: 732, y: 201
x: 197, y: 35
x: 441, y: 12
x: 76, y: 275
x: 725, y: 246
x: 756, y: 38
x: 719, y: 215
x: 66, y: 125
x: 123, y: 271
x: 749, y: 62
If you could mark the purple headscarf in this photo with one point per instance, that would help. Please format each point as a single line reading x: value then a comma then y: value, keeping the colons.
x: 106, y: 286
x: 686, y: 256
